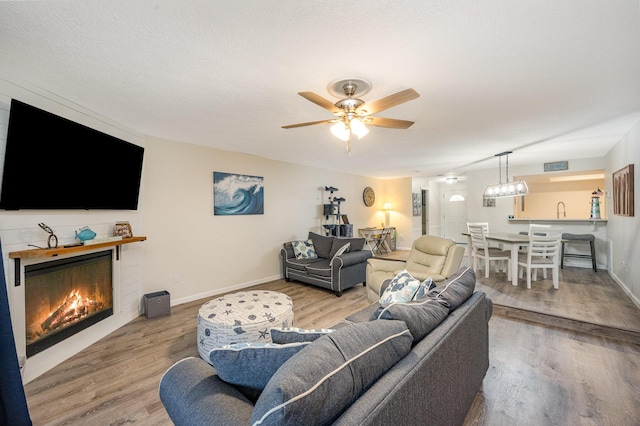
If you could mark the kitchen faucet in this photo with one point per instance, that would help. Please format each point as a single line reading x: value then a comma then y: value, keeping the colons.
x: 564, y: 210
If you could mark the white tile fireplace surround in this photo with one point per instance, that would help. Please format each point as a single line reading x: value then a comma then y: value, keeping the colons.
x: 126, y: 277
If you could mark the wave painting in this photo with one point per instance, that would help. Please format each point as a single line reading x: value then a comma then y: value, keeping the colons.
x: 237, y: 194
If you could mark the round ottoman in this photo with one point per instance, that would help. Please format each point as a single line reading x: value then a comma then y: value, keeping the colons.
x: 242, y: 317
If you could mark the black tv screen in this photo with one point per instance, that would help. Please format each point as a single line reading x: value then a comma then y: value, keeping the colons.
x: 54, y: 163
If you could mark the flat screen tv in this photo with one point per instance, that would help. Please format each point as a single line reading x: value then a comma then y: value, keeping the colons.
x: 54, y: 163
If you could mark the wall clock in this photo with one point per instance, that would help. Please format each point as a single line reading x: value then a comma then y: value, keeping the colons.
x: 368, y: 196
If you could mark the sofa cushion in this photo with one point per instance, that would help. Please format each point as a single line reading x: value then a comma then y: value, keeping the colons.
x: 321, y: 244
x: 337, y: 245
x: 317, y: 384
x: 421, y: 316
x: 321, y: 267
x: 456, y: 289
x: 401, y: 289
x: 344, y: 248
x: 251, y: 364
x: 295, y: 334
x: 301, y: 264
x: 304, y: 249
x: 357, y: 244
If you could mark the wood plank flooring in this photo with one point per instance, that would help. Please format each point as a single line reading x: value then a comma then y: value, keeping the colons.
x: 538, y: 374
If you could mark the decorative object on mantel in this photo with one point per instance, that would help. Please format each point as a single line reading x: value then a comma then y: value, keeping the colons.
x: 623, y: 191
x: 122, y: 229
x: 85, y: 233
x: 52, y: 241
x: 507, y: 189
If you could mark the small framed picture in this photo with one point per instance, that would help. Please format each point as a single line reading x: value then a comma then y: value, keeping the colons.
x: 122, y: 229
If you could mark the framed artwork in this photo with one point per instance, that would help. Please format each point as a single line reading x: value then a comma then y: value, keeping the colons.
x: 235, y: 194
x: 623, y: 191
x: 488, y: 202
x: 417, y: 204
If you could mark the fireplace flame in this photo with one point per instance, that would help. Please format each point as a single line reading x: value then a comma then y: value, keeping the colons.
x: 72, y: 309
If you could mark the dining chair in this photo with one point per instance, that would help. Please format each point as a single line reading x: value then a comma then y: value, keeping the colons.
x: 480, y: 250
x: 485, y: 226
x: 543, y: 253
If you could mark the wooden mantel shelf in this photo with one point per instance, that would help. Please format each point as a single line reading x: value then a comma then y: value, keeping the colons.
x: 53, y: 252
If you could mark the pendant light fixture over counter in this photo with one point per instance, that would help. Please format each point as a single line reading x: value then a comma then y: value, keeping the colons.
x: 508, y: 189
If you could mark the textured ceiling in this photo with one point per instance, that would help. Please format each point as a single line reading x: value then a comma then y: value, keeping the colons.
x: 548, y: 79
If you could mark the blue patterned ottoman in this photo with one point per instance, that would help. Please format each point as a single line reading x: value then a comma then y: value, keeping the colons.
x: 242, y: 317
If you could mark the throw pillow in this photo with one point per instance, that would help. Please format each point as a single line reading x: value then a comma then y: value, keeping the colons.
x: 251, y: 364
x: 294, y: 334
x: 341, y: 250
x: 304, y: 249
x: 401, y: 289
x: 316, y: 385
x: 424, y: 288
x: 322, y: 244
x: 455, y: 290
x: 336, y: 245
x: 421, y: 317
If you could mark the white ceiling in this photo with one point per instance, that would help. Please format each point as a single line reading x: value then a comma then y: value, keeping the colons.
x: 550, y: 80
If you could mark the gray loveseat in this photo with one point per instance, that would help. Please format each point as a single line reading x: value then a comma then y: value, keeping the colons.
x: 426, y: 380
x: 334, y: 272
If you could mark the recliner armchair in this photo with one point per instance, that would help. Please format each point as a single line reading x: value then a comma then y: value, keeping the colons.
x: 430, y: 256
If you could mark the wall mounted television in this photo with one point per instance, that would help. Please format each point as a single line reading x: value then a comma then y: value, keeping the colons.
x: 54, y: 163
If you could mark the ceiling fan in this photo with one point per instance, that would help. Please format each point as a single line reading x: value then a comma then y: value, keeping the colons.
x: 353, y: 114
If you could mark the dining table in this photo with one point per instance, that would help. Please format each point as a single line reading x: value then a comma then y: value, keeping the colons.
x: 508, y: 240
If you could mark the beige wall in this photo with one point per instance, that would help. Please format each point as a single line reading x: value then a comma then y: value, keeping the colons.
x: 193, y: 253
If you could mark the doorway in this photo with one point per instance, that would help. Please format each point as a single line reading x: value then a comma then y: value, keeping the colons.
x: 455, y: 214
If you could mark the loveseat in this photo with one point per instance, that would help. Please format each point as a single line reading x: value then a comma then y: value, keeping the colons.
x: 323, y: 264
x: 430, y: 256
x: 421, y: 362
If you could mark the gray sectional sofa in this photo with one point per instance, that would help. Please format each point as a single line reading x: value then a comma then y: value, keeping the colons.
x: 372, y: 370
x: 334, y: 272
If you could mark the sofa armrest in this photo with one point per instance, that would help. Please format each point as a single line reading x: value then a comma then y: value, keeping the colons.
x: 351, y: 258
x: 453, y: 262
x: 193, y: 394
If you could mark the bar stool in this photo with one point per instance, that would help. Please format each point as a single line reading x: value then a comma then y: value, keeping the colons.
x: 579, y: 238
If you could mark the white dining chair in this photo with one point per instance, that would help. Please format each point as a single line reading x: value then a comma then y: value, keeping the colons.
x: 543, y: 253
x: 481, y: 251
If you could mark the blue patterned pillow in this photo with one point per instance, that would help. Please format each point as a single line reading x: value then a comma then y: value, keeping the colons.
x: 424, y: 288
x: 251, y: 364
x: 401, y: 289
x: 304, y: 249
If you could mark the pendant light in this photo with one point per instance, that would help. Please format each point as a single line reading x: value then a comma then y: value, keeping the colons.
x: 508, y: 189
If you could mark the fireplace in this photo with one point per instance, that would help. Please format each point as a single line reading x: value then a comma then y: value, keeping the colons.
x: 66, y: 296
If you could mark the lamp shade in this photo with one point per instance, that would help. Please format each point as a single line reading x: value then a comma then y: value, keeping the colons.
x: 341, y: 131
x: 358, y: 127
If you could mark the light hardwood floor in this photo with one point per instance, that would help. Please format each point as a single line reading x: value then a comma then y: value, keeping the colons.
x: 538, y: 374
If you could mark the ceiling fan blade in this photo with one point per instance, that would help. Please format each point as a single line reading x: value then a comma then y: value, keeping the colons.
x: 320, y: 101
x: 310, y: 123
x: 389, y: 101
x: 391, y: 123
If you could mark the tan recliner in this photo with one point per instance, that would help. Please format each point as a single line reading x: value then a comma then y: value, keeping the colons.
x: 430, y: 256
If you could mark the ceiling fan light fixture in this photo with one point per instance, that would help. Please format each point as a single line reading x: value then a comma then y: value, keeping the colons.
x: 341, y: 131
x: 358, y: 127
